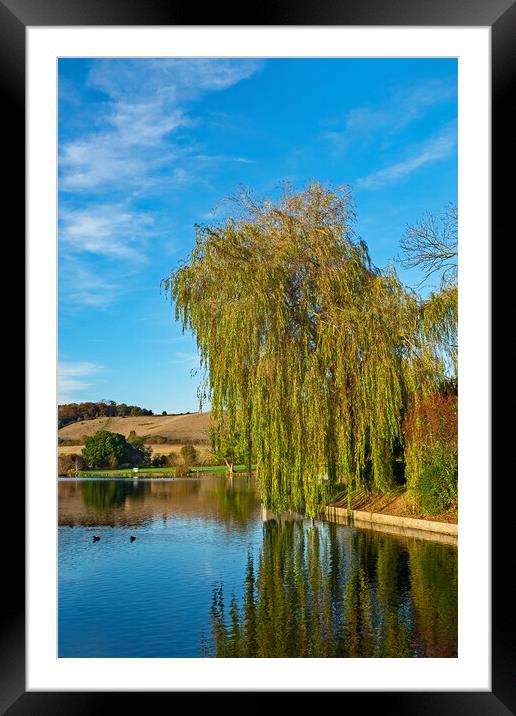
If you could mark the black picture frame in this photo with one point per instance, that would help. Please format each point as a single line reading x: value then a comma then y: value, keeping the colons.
x: 500, y: 15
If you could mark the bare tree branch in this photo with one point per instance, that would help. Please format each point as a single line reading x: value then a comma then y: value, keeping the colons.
x: 431, y: 244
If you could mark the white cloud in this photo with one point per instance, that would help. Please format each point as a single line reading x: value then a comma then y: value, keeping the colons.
x: 438, y: 147
x: 71, y: 379
x: 81, y: 286
x: 111, y: 160
x: 145, y: 106
x: 130, y: 150
x: 172, y: 79
x: 146, y: 123
x: 404, y: 107
x: 110, y: 230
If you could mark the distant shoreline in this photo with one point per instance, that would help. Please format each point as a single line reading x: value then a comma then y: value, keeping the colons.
x: 158, y: 473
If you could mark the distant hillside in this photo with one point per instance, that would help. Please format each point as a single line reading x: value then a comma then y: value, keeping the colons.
x: 72, y: 412
x: 192, y: 427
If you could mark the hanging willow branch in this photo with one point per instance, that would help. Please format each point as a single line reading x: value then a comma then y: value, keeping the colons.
x: 309, y: 352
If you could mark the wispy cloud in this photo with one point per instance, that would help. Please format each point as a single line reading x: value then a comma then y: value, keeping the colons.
x: 131, y: 148
x: 438, y: 147
x: 107, y: 161
x: 81, y: 286
x: 172, y: 79
x: 68, y: 93
x: 71, y: 379
x: 146, y: 104
x: 110, y: 230
x: 190, y: 360
x: 222, y: 158
x: 404, y: 106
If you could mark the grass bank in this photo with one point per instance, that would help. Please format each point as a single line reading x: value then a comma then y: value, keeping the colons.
x: 397, y: 503
x: 158, y: 471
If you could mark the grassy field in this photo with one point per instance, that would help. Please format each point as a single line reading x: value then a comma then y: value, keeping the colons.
x: 185, y: 429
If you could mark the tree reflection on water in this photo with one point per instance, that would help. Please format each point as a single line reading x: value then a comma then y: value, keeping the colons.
x: 106, y: 494
x: 322, y: 591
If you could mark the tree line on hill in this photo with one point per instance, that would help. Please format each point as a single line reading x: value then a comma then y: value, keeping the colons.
x: 75, y: 412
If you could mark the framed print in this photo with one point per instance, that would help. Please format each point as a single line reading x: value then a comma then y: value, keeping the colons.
x: 171, y: 542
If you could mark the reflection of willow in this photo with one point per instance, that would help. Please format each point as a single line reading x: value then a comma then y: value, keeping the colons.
x: 236, y: 501
x: 434, y: 590
x: 106, y: 495
x: 316, y: 594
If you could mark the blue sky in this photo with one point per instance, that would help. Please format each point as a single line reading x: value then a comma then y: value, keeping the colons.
x: 150, y: 147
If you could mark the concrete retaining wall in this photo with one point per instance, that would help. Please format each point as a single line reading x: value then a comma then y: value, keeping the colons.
x: 401, y: 525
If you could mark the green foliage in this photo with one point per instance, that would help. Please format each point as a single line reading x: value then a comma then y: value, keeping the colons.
x: 227, y: 447
x: 431, y: 452
x: 137, y: 441
x: 210, y: 459
x: 140, y: 454
x: 188, y: 455
x: 309, y: 352
x: 436, y: 486
x: 158, y: 460
x: 438, y: 324
x: 107, y: 449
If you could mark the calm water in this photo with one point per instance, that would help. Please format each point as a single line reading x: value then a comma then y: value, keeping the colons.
x: 211, y: 574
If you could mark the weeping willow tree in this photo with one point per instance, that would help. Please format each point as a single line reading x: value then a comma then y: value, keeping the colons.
x: 309, y: 351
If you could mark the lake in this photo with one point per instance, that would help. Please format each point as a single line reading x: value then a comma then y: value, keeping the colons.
x: 210, y: 573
